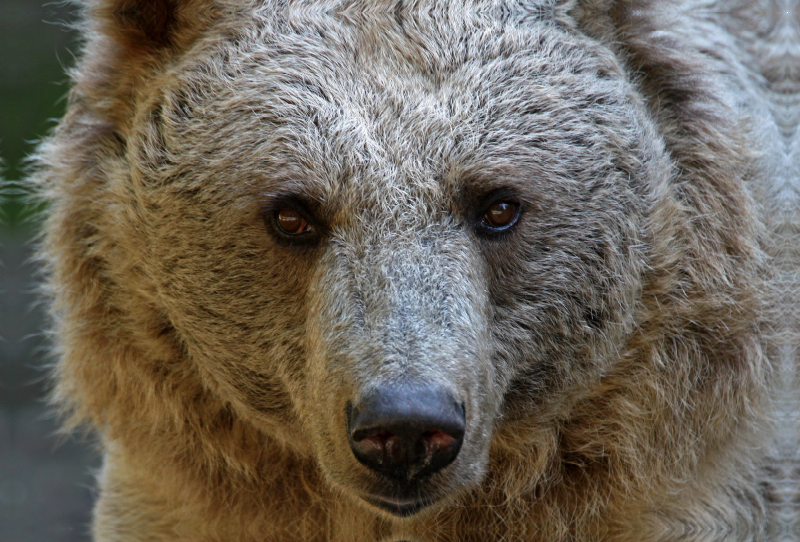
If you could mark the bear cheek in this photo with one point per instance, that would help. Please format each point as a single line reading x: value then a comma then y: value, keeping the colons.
x: 227, y: 316
x: 572, y: 296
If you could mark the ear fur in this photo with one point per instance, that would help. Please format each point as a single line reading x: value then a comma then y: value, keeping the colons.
x: 130, y: 42
x: 151, y: 26
x: 145, y: 23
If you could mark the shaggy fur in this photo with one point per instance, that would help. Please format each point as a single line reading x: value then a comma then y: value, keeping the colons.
x: 614, y: 350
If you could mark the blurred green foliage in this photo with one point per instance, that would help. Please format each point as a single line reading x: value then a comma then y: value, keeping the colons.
x: 35, y: 53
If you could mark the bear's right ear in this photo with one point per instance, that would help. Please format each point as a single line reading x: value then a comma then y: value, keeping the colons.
x: 147, y: 27
x: 131, y: 41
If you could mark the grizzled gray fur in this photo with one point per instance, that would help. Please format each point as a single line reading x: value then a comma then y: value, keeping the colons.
x: 430, y: 271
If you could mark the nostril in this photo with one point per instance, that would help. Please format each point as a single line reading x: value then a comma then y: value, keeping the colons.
x: 376, y: 446
x: 435, y: 440
x: 374, y: 435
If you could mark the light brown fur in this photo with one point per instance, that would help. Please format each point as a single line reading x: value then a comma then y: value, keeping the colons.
x: 614, y: 350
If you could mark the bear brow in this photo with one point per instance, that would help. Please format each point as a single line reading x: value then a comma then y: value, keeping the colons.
x: 482, y: 179
x: 303, y: 189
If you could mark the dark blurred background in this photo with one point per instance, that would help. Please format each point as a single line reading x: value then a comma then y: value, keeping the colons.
x: 46, y: 481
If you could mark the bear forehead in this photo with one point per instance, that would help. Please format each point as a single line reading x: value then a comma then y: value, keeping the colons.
x: 361, y: 111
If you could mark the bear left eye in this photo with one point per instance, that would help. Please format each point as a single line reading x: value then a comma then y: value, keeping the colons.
x: 501, y: 215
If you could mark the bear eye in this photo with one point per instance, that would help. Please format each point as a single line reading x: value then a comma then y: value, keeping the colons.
x: 501, y: 215
x: 291, y: 222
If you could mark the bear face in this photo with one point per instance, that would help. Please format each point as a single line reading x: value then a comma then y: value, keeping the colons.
x: 329, y: 271
x: 394, y: 274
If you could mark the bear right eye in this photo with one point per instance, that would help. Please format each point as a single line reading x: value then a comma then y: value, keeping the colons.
x: 291, y: 222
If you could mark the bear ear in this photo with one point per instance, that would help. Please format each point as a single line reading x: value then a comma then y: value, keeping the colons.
x: 146, y: 24
x: 128, y: 43
x: 145, y: 27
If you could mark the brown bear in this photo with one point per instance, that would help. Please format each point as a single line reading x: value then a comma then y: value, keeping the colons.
x: 361, y: 270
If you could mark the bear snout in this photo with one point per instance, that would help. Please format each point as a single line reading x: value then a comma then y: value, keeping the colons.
x: 406, y: 431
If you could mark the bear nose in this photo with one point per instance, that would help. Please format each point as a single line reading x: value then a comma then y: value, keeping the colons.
x: 405, y: 431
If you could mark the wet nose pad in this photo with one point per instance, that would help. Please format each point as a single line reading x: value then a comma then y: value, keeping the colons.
x: 406, y: 430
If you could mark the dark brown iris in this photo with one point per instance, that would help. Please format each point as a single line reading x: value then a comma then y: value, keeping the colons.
x: 291, y: 222
x: 501, y: 215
